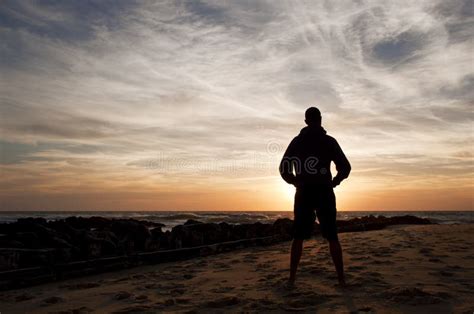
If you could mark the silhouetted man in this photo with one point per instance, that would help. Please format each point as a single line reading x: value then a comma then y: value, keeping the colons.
x: 306, y: 165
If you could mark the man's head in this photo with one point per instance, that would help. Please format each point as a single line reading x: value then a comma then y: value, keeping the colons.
x: 312, y: 116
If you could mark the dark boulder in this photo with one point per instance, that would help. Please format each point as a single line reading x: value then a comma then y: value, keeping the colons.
x: 132, y: 235
x: 166, y: 241
x: 210, y: 233
x: 283, y: 227
x: 47, y: 236
x: 88, y: 223
x: 32, y: 220
x: 101, y: 242
x: 155, y: 239
x: 183, y: 236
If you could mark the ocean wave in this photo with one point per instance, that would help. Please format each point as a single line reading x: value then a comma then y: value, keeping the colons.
x: 176, y: 216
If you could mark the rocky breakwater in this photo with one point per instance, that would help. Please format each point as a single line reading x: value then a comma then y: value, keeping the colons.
x: 34, y: 250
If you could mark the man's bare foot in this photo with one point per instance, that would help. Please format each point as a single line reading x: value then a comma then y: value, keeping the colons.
x: 342, y: 283
x: 290, y: 284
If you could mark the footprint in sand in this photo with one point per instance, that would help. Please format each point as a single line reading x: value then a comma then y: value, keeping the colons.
x: 152, y: 286
x: 120, y: 280
x: 382, y: 262
x: 81, y: 286
x: 425, y: 251
x: 365, y: 309
x: 168, y: 302
x: 136, y: 309
x: 272, y: 276
x: 123, y: 295
x: 138, y: 276
x: 202, y: 263
x: 24, y: 297
x: 453, y: 267
x: 80, y: 310
x: 223, y: 302
x: 183, y: 300
x: 262, y: 266
x: 365, y: 258
x: 250, y: 258
x: 178, y: 291
x: 414, y: 296
x: 315, y: 270
x: 445, y: 273
x: 383, y: 252
x: 188, y: 276
x: 141, y: 298
x: 222, y: 289
x: 303, y: 301
x: 221, y: 266
x: 370, y: 280
x: 397, y: 245
x: 356, y: 268
x: 372, y: 274
x: 52, y: 300
x: 261, y: 306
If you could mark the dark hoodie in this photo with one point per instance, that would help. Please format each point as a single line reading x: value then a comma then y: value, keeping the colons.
x: 309, y: 155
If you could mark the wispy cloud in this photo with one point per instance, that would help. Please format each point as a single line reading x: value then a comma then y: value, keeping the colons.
x: 92, y: 92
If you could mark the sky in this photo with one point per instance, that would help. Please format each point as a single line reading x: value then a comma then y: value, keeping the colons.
x: 189, y: 105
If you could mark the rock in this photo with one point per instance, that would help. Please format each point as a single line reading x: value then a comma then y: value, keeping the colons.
x: 283, y: 227
x: 166, y: 240
x: 414, y: 296
x: 123, y: 295
x: 83, y: 223
x: 133, y: 235
x: 192, y: 222
x: 210, y: 233
x: 155, y: 239
x: 184, y: 236
x: 52, y: 300
x: 98, y: 243
x: 224, y: 301
x: 47, y: 236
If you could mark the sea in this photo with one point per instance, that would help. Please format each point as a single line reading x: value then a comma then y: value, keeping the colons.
x: 173, y: 218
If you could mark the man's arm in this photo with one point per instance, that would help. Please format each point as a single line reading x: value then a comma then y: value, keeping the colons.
x: 286, y: 165
x: 343, y: 166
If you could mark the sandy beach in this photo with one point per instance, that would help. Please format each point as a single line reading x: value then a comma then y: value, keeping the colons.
x: 402, y: 269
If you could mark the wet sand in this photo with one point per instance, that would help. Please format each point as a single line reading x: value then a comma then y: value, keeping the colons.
x: 402, y: 269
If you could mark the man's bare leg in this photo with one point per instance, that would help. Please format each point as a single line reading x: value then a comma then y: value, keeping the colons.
x: 296, y: 250
x: 336, y: 254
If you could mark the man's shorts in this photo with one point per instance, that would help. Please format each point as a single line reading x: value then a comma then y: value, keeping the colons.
x: 313, y: 201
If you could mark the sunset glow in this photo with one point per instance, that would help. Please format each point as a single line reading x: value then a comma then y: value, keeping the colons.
x: 190, y: 105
